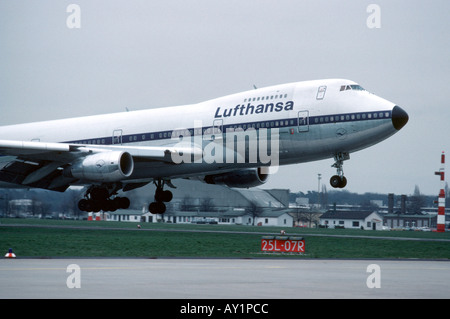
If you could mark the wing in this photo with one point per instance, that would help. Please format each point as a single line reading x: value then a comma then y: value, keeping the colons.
x: 56, y: 166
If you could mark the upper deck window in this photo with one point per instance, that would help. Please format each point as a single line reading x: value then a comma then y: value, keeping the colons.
x: 352, y: 87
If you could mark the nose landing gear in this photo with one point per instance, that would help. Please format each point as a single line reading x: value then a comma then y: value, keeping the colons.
x: 339, y: 180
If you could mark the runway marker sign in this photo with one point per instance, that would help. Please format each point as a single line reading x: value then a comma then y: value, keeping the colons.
x: 283, y: 244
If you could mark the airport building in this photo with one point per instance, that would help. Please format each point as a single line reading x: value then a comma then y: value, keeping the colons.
x: 268, y: 217
x: 352, y: 220
x: 200, y: 203
x: 398, y: 217
x: 410, y: 220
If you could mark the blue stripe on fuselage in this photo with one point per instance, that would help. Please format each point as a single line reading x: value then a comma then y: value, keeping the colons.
x: 278, y: 123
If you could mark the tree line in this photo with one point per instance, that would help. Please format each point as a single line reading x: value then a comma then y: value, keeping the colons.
x: 48, y: 202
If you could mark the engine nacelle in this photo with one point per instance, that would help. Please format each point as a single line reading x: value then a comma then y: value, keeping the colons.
x: 243, y: 178
x: 102, y: 167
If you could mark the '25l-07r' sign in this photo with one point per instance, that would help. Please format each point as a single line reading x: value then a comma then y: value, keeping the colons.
x: 283, y: 244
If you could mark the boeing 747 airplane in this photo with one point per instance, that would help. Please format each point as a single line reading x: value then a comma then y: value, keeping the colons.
x: 235, y: 140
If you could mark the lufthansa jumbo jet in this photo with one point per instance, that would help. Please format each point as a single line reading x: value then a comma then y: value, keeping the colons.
x: 235, y: 140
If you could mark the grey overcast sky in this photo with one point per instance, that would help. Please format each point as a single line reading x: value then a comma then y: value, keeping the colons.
x: 146, y: 54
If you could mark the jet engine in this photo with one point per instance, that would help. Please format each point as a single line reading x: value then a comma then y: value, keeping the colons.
x: 102, y: 167
x: 243, y: 178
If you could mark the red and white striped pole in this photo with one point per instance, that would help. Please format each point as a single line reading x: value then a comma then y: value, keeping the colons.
x: 441, y: 201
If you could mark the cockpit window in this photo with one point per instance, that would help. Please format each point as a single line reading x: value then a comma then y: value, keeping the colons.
x: 357, y: 87
x: 352, y: 87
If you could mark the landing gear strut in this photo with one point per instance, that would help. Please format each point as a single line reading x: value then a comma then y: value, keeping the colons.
x: 161, y: 196
x: 339, y: 180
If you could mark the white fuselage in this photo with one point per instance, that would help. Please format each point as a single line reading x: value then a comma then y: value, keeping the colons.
x: 312, y: 120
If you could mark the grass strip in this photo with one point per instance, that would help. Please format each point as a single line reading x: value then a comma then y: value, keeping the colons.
x: 165, y: 240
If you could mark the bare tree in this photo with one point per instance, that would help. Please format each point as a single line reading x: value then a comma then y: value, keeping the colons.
x: 305, y: 216
x: 186, y: 203
x: 416, y: 201
x: 206, y: 204
x: 254, y: 210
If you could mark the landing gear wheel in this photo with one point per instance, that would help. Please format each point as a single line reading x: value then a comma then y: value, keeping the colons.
x: 83, y: 205
x: 343, y: 182
x: 122, y: 202
x: 338, y: 181
x: 102, y: 198
x: 107, y: 205
x: 335, y: 181
x: 163, y: 196
x: 157, y: 208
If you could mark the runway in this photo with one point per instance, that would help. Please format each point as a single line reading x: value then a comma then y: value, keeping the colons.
x: 222, y: 278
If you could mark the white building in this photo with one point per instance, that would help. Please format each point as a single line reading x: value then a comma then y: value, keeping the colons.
x: 352, y: 219
x: 275, y: 218
x: 125, y: 215
x: 232, y: 217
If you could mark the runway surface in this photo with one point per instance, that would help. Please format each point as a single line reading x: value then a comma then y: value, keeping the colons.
x: 222, y: 278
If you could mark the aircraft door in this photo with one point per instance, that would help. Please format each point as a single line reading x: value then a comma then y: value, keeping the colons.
x: 117, y: 137
x: 303, y: 121
x: 321, y: 92
x: 217, y: 130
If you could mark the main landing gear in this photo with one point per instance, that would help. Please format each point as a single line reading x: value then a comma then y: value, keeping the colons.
x: 161, y: 196
x: 339, y: 180
x: 98, y: 198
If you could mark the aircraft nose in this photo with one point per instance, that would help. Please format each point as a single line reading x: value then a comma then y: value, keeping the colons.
x: 399, y: 117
